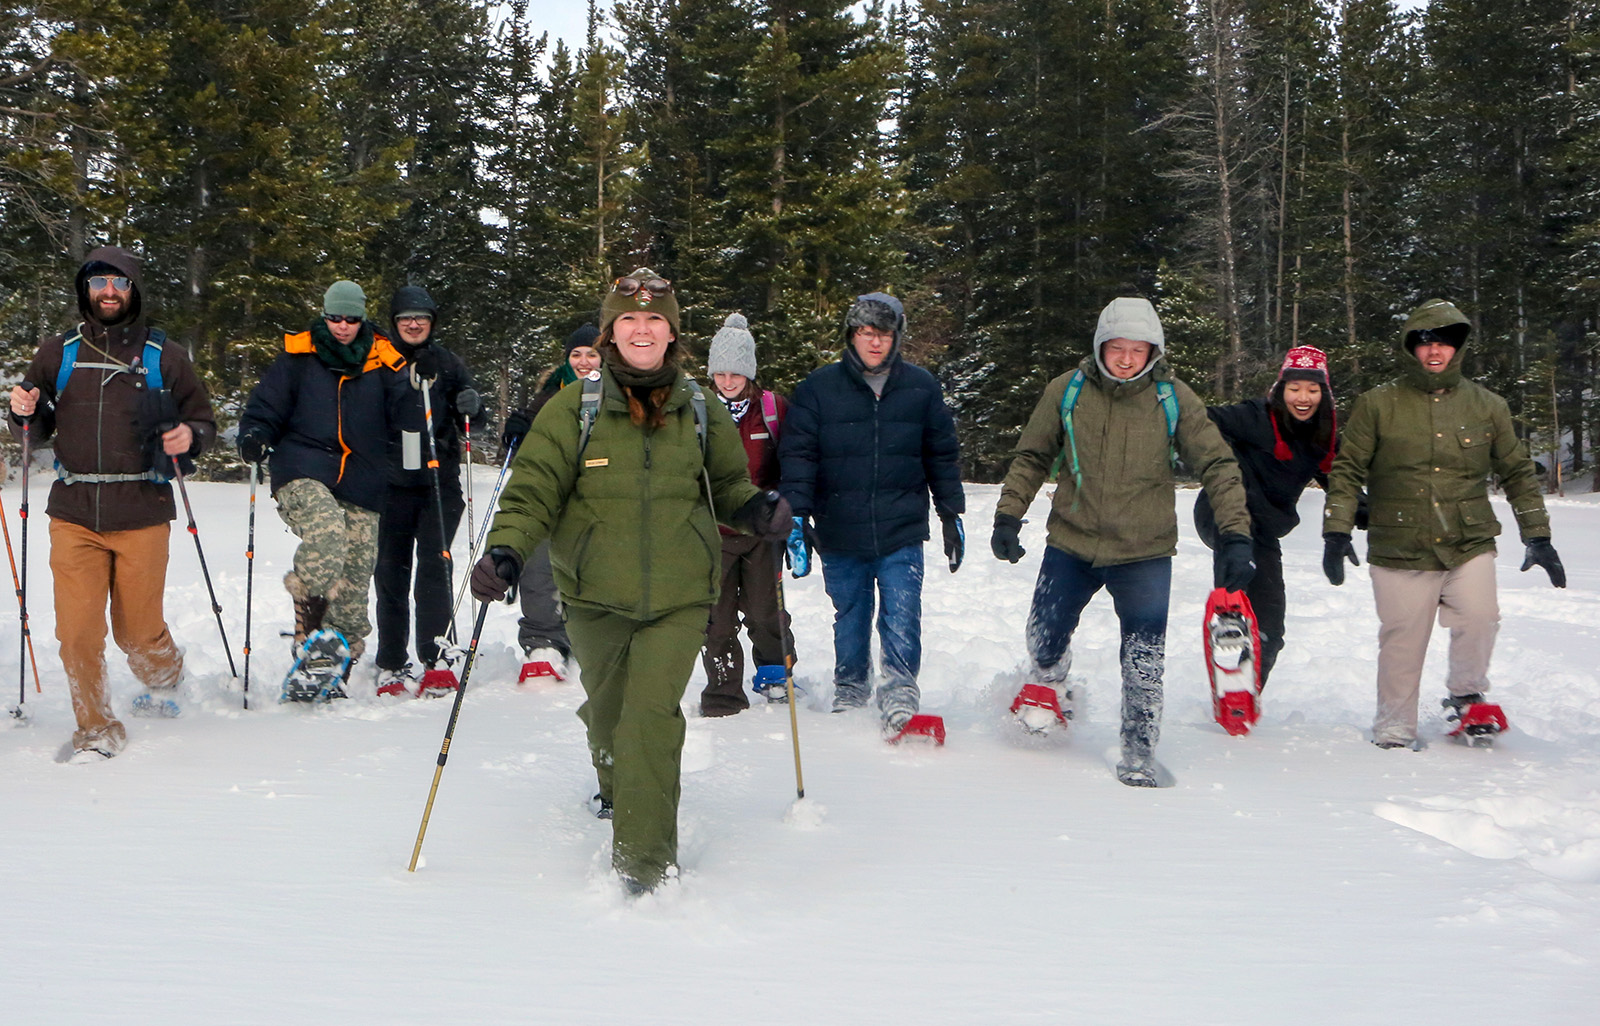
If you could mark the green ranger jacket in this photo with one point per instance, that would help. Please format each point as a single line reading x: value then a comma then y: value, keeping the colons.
x: 1124, y: 512
x: 1425, y: 445
x: 630, y: 527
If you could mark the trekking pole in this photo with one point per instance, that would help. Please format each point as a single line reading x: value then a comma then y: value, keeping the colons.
x: 22, y: 586
x: 22, y: 607
x: 249, y: 578
x: 467, y: 433
x: 788, y: 678
x: 216, y: 607
x: 438, y: 503
x: 483, y: 530
x: 449, y: 732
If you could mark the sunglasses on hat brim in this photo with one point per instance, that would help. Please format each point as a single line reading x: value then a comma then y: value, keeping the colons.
x: 631, y: 286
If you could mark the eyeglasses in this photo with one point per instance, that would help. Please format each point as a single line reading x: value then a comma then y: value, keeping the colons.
x: 414, y: 319
x: 631, y: 286
x: 337, y: 319
x: 117, y: 282
x: 1428, y: 336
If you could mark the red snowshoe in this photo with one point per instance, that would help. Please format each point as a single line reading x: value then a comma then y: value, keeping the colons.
x: 1233, y: 660
x: 441, y: 680
x: 1476, y: 722
x: 1037, y: 708
x: 920, y: 725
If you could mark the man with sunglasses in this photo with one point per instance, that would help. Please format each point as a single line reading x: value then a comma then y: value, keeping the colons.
x: 326, y: 412
x: 1425, y: 445
x: 866, y: 441
x: 121, y: 403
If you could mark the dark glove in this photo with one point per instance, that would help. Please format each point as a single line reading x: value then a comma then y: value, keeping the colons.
x: 1006, y: 542
x: 1363, y: 511
x: 767, y: 515
x: 425, y: 363
x: 495, y: 576
x: 1542, y: 553
x: 1336, y: 548
x: 517, y: 424
x: 1231, y: 565
x: 253, y: 447
x: 955, y: 540
x: 797, y: 552
x: 468, y: 402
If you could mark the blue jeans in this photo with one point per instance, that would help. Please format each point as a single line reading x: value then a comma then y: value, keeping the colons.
x: 849, y: 581
x: 1140, y: 593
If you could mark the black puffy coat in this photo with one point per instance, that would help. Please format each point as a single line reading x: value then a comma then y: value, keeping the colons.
x: 863, y: 466
x: 1272, y: 486
x: 332, y: 428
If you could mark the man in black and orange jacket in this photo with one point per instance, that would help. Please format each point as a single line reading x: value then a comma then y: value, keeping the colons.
x: 325, y: 412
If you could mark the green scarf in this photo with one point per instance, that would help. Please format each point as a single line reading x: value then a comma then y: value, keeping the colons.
x: 346, y: 360
x: 627, y: 377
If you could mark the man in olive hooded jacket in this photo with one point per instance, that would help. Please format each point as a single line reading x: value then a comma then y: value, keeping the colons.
x: 1424, y: 445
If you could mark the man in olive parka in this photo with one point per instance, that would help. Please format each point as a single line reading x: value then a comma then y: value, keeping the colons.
x: 631, y: 513
x: 1425, y: 445
x: 1112, y: 520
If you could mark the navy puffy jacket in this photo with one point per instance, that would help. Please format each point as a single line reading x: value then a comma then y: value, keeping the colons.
x: 861, y: 466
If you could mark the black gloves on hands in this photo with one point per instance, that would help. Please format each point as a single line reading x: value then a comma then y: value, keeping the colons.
x: 517, y: 424
x: 1336, y: 548
x: 955, y: 540
x: 1232, y: 565
x: 468, y: 402
x: 425, y: 363
x: 1542, y: 553
x: 495, y: 576
x: 253, y: 448
x: 768, y: 516
x: 1006, y: 542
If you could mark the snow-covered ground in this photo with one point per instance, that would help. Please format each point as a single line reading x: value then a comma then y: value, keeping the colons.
x: 250, y: 867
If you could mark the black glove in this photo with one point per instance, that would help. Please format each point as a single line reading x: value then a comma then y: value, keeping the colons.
x: 517, y: 424
x: 468, y: 402
x: 425, y: 363
x: 1542, y: 553
x: 768, y: 516
x: 1363, y: 511
x: 1231, y: 565
x: 1336, y: 548
x: 1005, y: 542
x: 253, y: 447
x: 955, y: 540
x: 495, y: 576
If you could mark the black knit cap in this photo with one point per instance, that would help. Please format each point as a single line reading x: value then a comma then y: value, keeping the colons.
x: 584, y: 336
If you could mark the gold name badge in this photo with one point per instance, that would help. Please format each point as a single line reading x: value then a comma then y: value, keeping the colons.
x: 597, y: 463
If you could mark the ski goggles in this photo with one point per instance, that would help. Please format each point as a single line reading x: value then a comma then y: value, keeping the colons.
x: 342, y: 319
x: 631, y: 286
x: 117, y: 281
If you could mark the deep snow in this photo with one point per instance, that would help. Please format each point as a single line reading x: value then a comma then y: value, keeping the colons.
x: 249, y: 867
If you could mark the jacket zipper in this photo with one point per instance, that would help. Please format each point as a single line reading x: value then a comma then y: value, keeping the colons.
x: 644, y: 530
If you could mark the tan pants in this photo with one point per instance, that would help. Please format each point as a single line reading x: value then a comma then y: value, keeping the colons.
x: 1464, y: 600
x: 130, y: 569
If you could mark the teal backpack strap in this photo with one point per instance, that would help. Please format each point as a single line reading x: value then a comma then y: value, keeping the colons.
x: 69, y: 358
x: 588, y: 410
x: 1069, y: 399
x: 1169, y: 405
x: 152, y: 357
x: 149, y: 360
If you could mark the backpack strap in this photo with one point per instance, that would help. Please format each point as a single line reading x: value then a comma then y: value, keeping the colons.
x: 149, y: 360
x: 1069, y: 399
x: 697, y: 399
x: 588, y: 410
x: 1169, y: 405
x: 769, y: 413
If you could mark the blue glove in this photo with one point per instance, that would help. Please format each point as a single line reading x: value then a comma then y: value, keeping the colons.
x: 797, y: 551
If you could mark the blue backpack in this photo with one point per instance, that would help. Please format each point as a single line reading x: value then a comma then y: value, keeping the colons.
x: 148, y: 366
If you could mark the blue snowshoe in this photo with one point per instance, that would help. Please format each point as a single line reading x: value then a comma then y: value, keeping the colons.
x: 320, y: 668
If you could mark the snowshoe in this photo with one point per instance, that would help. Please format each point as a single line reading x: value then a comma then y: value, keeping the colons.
x: 1233, y: 660
x: 773, y: 682
x: 319, y: 669
x: 440, y: 680
x: 161, y: 702
x: 1476, y: 722
x: 543, y: 665
x: 1039, y: 708
x: 1142, y: 771
x: 897, y: 729
x: 401, y: 683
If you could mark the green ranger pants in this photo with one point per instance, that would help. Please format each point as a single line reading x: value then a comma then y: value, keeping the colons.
x: 634, y: 675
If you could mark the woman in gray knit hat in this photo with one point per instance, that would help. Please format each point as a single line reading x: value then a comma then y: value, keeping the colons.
x: 750, y: 567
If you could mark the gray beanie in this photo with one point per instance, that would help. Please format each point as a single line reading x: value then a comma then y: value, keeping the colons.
x: 344, y: 299
x: 733, y: 349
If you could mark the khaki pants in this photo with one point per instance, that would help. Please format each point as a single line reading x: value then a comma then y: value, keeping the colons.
x: 338, y: 550
x: 128, y: 568
x: 1464, y: 600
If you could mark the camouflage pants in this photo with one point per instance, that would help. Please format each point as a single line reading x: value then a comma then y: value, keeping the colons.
x: 337, y: 553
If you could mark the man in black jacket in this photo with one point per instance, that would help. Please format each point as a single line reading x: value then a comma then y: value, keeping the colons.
x: 866, y: 440
x: 411, y: 517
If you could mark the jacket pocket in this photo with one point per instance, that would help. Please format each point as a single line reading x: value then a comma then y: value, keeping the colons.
x: 1395, y: 528
x: 1477, y: 519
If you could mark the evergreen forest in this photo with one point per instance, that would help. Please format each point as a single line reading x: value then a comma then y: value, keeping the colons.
x: 1269, y: 172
